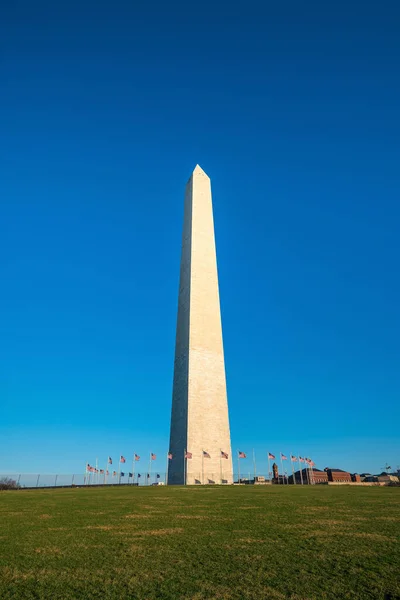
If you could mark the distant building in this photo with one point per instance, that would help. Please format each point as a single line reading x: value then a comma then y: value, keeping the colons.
x: 277, y: 478
x: 337, y: 475
x: 257, y: 480
x: 382, y: 478
x: 371, y: 479
x: 309, y: 476
x: 356, y: 478
x: 260, y: 480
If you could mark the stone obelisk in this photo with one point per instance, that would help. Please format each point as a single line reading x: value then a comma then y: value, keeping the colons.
x: 199, y: 419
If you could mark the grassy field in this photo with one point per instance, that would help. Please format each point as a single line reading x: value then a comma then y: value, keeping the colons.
x: 201, y: 543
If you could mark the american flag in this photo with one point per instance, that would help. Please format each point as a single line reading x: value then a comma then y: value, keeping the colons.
x: 170, y: 456
x: 158, y: 476
x: 101, y: 471
x: 224, y: 454
x: 114, y: 473
x: 188, y: 455
x: 109, y: 460
x: 122, y: 459
x: 271, y: 456
x: 241, y: 455
x: 293, y: 458
x: 283, y: 457
x: 122, y: 474
x: 130, y: 474
x: 153, y: 456
x: 139, y: 475
x: 137, y: 457
x: 148, y: 475
x: 205, y: 454
x: 107, y: 473
x: 301, y: 459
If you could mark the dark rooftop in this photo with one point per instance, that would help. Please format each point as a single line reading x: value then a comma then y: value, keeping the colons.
x: 335, y: 470
x: 307, y: 469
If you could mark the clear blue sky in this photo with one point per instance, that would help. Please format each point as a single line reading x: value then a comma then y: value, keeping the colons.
x: 293, y: 111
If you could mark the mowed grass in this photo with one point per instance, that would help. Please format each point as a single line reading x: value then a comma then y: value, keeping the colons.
x: 201, y: 543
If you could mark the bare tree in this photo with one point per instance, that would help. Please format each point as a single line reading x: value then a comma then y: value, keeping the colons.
x: 6, y: 483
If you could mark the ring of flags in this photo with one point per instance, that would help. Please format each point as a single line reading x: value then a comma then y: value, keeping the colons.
x: 205, y: 454
x: 188, y: 456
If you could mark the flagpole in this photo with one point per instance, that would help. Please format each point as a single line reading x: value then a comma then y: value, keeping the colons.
x: 301, y: 471
x: 283, y: 476
x: 312, y: 473
x: 269, y: 468
x: 97, y: 471
x: 254, y: 465
x: 166, y: 471
x: 149, y: 478
x: 238, y: 466
x: 294, y: 478
x: 119, y: 470
x: 202, y: 467
x: 185, y: 466
x: 137, y: 478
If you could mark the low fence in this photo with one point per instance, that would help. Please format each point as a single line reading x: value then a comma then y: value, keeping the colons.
x: 43, y: 480
x: 51, y: 480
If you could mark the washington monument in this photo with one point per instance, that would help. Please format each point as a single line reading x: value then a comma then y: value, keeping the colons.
x: 200, y: 442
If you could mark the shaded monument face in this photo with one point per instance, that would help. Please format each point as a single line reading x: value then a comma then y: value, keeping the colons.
x: 199, y: 419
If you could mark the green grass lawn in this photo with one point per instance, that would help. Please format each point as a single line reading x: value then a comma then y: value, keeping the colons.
x: 195, y: 543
